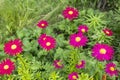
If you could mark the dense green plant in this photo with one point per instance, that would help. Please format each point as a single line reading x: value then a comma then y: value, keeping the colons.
x: 85, y: 77
x: 39, y: 62
x: 36, y: 63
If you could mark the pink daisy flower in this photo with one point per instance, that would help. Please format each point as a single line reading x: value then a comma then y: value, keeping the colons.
x: 78, y: 40
x: 81, y: 64
x: 6, y: 67
x: 47, y: 42
x: 42, y: 24
x: 108, y: 32
x: 102, y: 52
x: 57, y: 64
x: 70, y: 13
x: 111, y: 69
x: 42, y: 38
x: 73, y: 76
x: 13, y: 47
x: 83, y: 28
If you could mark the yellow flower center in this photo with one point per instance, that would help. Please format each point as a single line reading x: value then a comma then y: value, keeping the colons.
x: 70, y: 12
x: 102, y: 51
x: 6, y: 67
x: 59, y: 63
x: 13, y: 46
x: 77, y: 39
x: 74, y: 77
x: 112, y: 68
x: 48, y: 44
x: 83, y: 30
x: 42, y: 24
x: 107, y: 32
x: 80, y: 63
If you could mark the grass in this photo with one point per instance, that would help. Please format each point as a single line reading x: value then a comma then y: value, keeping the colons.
x: 17, y: 14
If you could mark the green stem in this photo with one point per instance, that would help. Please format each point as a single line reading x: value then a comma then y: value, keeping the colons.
x: 20, y: 57
x: 5, y: 77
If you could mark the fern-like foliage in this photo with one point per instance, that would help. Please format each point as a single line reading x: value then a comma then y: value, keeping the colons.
x: 23, y: 68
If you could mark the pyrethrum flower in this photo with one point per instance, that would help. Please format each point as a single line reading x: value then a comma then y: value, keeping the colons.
x: 111, y: 70
x: 58, y: 64
x: 47, y: 42
x: 81, y: 64
x: 13, y: 47
x: 108, y: 32
x: 42, y: 24
x: 6, y: 67
x: 42, y: 38
x: 78, y: 40
x: 83, y: 28
x: 73, y: 76
x: 70, y: 13
x: 102, y: 52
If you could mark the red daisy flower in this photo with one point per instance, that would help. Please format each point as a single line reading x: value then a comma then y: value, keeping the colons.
x: 42, y: 24
x: 108, y: 32
x: 47, y: 42
x: 42, y: 38
x: 70, y: 13
x: 78, y: 40
x: 83, y: 28
x: 111, y: 69
x: 6, y: 67
x: 81, y: 64
x: 102, y: 52
x: 57, y: 64
x: 13, y: 47
x: 73, y: 76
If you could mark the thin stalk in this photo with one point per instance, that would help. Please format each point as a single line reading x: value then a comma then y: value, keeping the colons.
x: 104, y: 77
x: 19, y: 57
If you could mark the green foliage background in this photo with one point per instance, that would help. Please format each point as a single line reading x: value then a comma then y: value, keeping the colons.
x: 18, y: 19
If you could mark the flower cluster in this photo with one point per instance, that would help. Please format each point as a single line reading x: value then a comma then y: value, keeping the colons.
x: 12, y: 48
x: 100, y: 51
x: 46, y: 42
